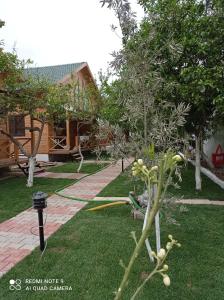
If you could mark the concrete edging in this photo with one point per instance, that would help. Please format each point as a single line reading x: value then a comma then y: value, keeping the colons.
x: 181, y: 201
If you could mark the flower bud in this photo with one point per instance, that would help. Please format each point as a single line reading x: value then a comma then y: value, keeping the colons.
x: 178, y: 245
x: 153, y: 253
x: 165, y: 267
x: 168, y: 246
x: 140, y: 162
x: 166, y: 280
x: 135, y: 164
x: 133, y: 168
x: 170, y: 237
x: 134, y: 173
x: 155, y: 168
x: 177, y: 158
x: 161, y: 253
x: 144, y: 167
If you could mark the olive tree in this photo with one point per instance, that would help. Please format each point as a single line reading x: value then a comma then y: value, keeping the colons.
x: 144, y: 116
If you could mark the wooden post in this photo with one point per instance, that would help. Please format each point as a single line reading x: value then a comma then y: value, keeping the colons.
x: 68, y: 138
x: 76, y: 133
x: 16, y: 151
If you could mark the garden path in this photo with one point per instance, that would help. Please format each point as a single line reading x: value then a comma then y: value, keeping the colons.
x: 19, y: 235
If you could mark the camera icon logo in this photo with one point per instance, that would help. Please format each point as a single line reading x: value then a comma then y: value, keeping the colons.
x: 15, y: 284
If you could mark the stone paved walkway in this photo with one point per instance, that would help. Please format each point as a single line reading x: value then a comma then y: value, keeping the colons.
x: 90, y: 186
x: 17, y: 235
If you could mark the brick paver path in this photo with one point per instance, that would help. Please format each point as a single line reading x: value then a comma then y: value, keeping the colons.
x: 17, y: 235
x: 90, y: 186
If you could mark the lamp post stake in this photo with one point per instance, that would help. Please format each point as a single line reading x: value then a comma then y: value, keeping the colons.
x: 41, y: 229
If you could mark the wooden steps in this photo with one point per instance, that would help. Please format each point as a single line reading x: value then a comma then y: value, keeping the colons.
x: 76, y: 156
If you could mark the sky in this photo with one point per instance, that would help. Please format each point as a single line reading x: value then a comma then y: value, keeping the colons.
x: 54, y: 32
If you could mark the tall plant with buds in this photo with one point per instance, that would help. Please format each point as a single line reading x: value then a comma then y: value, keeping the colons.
x: 161, y: 268
x: 161, y: 176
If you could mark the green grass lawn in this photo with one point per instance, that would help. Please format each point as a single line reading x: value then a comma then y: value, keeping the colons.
x: 72, y: 167
x: 85, y: 254
x: 16, y: 197
x: 125, y: 183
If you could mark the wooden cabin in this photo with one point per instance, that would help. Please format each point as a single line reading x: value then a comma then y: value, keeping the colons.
x: 4, y: 147
x: 9, y: 152
x: 58, y: 139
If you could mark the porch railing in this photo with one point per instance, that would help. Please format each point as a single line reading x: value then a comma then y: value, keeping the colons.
x: 58, y: 142
x: 23, y: 141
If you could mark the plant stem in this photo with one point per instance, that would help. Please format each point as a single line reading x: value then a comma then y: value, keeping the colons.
x: 158, y: 265
x: 145, y: 281
x: 145, y: 234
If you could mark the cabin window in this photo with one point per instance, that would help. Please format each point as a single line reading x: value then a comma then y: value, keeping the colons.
x: 17, y: 125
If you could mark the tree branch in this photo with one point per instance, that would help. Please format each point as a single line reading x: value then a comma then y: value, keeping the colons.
x: 14, y: 141
x: 39, y: 138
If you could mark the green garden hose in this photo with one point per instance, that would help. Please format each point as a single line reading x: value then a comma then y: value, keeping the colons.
x: 133, y: 202
x: 57, y: 192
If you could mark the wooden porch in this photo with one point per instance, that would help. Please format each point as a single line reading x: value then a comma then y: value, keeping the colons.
x: 75, y: 133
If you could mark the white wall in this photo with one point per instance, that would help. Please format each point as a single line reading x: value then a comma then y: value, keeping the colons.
x: 211, y: 144
x: 42, y: 157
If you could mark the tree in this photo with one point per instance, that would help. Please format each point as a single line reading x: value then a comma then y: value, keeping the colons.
x: 195, y: 76
x: 148, y: 118
x: 35, y: 97
x: 45, y: 102
x: 40, y: 100
x: 84, y: 104
x: 111, y: 110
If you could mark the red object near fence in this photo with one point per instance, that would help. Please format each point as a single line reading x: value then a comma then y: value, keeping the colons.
x: 218, y: 157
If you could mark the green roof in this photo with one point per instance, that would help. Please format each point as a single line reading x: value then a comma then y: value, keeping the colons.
x: 53, y: 73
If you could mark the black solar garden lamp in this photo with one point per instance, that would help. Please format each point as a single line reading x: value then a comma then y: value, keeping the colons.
x: 39, y: 203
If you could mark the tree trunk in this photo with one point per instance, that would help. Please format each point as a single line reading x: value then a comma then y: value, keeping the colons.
x: 32, y: 158
x: 197, y: 163
x: 32, y: 162
x: 82, y: 158
x: 34, y: 147
x: 145, y: 124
